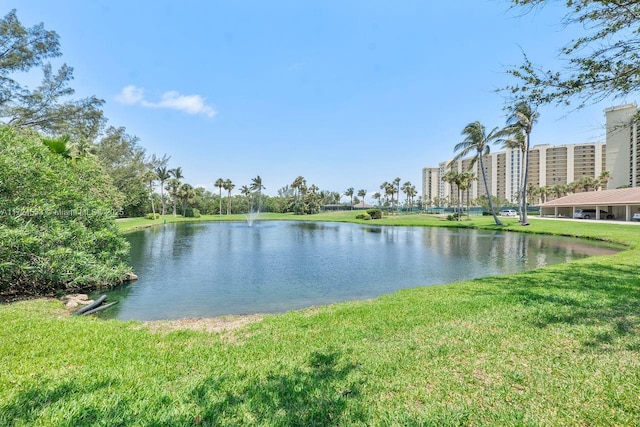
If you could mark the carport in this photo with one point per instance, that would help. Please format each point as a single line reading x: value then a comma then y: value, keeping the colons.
x: 622, y: 203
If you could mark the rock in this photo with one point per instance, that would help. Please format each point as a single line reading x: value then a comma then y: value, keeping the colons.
x: 74, y: 300
x: 130, y: 277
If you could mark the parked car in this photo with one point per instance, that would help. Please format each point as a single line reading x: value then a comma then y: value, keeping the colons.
x: 636, y: 217
x: 591, y: 214
x: 508, y: 212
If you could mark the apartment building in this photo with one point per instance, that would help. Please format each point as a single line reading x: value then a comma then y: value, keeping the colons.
x: 623, y: 160
x: 551, y: 165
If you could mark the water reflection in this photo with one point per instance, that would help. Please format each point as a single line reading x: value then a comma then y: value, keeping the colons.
x: 212, y: 269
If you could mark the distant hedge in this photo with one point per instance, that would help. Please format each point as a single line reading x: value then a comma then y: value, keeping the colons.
x: 57, y: 220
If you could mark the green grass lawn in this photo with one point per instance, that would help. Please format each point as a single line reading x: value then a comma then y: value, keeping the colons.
x: 554, y: 346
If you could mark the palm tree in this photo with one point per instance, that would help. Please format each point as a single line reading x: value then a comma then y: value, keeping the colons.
x: 173, y: 186
x: 162, y: 172
x: 363, y: 194
x: 559, y: 190
x: 589, y: 183
x: 58, y: 145
x: 452, y: 176
x: 466, y: 179
x: 377, y: 196
x: 409, y: 191
x: 150, y: 178
x: 187, y: 193
x: 228, y: 185
x: 521, y: 120
x: 220, y: 184
x: 256, y: 185
x: 478, y: 140
x: 177, y: 173
x: 246, y: 192
x: 396, y: 187
x: 349, y: 193
x: 603, y: 179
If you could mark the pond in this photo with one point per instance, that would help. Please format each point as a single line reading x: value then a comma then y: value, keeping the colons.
x: 214, y: 269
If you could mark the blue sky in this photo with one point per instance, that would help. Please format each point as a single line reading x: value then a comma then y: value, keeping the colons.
x: 344, y: 93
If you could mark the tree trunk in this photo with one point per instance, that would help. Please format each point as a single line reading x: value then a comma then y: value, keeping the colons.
x: 525, y: 220
x: 486, y: 188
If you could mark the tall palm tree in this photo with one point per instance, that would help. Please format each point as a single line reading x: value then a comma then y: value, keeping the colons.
x: 477, y: 140
x: 220, y: 184
x: 177, y: 173
x: 377, y: 196
x: 228, y: 185
x: 466, y: 180
x: 523, y: 117
x: 452, y: 176
x: 246, y: 192
x: 256, y: 185
x: 349, y: 193
x: 150, y: 178
x: 173, y: 187
x: 163, y: 174
x: 362, y: 193
x: 396, y: 188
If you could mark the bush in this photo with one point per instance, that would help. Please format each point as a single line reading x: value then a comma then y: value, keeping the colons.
x: 150, y: 215
x: 57, y: 221
x: 374, y: 213
x: 364, y: 216
x: 191, y: 213
x: 452, y: 217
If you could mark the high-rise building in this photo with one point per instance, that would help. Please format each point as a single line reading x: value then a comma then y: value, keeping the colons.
x: 554, y: 165
x: 623, y: 160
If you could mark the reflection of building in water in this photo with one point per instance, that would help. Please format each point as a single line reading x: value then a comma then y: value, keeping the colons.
x: 551, y: 165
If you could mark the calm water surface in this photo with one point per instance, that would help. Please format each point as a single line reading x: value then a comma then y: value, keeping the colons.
x: 213, y: 269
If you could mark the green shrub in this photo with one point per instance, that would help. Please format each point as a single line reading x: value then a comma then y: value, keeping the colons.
x: 57, y: 220
x: 151, y: 215
x: 191, y: 213
x: 374, y: 213
x: 364, y: 216
x: 452, y: 217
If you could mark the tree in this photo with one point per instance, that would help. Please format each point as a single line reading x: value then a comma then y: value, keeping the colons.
x: 220, y: 184
x: 229, y: 186
x: 521, y: 120
x: 452, y: 176
x: 396, y: 188
x: 163, y: 174
x: 478, y: 140
x: 256, y: 186
x: 603, y: 179
x: 465, y: 181
x: 150, y: 178
x: 349, y: 193
x: 603, y: 62
x: 186, y: 193
x: 173, y: 187
x: 22, y: 49
x: 47, y: 107
x: 362, y: 193
x: 298, y: 185
x: 57, y: 231
x: 125, y: 162
x: 377, y: 196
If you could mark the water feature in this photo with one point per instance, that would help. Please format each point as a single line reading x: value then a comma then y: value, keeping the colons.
x: 213, y: 269
x: 253, y: 213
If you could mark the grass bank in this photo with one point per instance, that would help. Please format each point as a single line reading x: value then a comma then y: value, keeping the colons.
x: 553, y: 346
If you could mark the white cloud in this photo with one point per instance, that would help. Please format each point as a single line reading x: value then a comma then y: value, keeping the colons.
x: 190, y: 104
x: 130, y: 95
